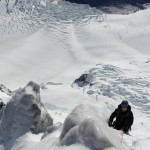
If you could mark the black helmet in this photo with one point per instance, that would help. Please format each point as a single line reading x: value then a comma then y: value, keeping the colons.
x: 124, y: 103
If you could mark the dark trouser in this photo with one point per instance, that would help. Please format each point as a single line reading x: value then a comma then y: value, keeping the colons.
x: 118, y: 125
x: 121, y: 126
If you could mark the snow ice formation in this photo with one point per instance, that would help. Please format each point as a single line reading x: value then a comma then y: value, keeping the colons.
x: 85, y: 126
x: 122, y: 85
x: 24, y: 112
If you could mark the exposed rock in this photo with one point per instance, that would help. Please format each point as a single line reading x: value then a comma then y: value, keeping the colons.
x: 5, y: 90
x: 115, y: 6
x: 83, y: 80
x: 96, y: 3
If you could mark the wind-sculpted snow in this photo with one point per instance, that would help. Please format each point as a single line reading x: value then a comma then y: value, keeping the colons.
x: 27, y: 16
x: 85, y: 126
x: 114, y: 82
x: 24, y: 112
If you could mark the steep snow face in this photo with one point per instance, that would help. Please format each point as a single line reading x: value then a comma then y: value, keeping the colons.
x: 84, y: 125
x: 24, y: 112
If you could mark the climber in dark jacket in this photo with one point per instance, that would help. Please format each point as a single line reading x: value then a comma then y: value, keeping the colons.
x: 124, y: 117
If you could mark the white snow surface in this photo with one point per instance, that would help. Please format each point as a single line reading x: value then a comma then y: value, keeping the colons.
x: 53, y: 44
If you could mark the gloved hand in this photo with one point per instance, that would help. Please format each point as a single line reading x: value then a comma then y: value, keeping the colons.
x: 110, y: 122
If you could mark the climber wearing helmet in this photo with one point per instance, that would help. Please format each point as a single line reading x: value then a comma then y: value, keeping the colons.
x: 124, y: 117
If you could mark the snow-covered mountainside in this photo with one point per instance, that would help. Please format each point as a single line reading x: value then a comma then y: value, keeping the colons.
x: 47, y: 29
x: 47, y: 23
x: 117, y: 83
x: 55, y: 43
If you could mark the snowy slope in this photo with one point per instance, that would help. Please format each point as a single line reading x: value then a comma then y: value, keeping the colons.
x: 53, y: 44
x: 47, y: 33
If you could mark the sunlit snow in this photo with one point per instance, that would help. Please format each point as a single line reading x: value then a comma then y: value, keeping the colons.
x: 53, y: 43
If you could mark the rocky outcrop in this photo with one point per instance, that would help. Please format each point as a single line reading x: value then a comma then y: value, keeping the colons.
x: 5, y: 90
x: 24, y: 112
x: 83, y: 125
